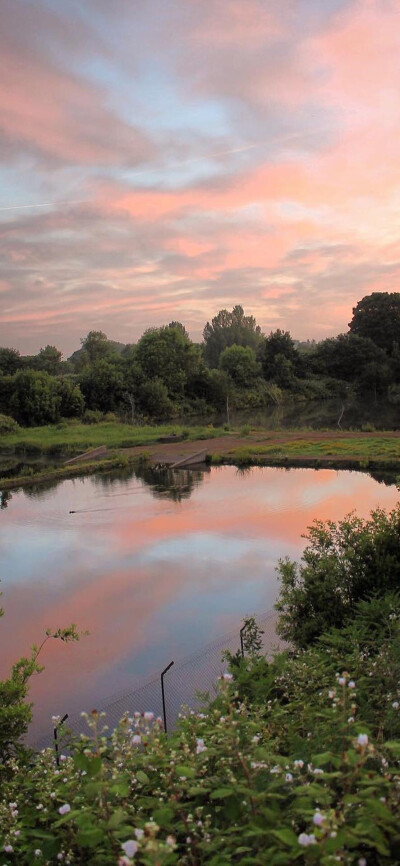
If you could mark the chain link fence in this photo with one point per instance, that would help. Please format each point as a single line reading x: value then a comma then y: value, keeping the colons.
x: 182, y: 684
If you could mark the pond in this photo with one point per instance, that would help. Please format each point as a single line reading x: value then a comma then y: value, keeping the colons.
x: 153, y: 565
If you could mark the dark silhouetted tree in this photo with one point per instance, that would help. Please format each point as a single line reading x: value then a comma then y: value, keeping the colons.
x: 377, y: 316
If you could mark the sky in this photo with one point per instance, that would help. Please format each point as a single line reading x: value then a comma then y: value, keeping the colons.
x: 164, y: 159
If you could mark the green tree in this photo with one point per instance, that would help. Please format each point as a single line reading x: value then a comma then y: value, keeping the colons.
x: 49, y: 360
x: 35, y: 398
x: 240, y: 364
x: 169, y: 355
x: 228, y: 329
x: 154, y: 399
x: 345, y: 357
x: 72, y: 402
x: 102, y: 385
x: 94, y: 347
x: 377, y: 316
x: 279, y: 358
x: 10, y: 361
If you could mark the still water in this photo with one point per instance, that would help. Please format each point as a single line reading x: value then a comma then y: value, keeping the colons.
x: 154, y: 566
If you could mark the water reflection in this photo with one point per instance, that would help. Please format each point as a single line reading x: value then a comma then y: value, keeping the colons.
x: 154, y: 565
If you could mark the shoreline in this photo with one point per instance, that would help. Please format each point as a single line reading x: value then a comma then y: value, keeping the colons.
x: 317, y: 450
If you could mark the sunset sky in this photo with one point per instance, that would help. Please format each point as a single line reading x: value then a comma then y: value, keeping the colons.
x: 162, y: 159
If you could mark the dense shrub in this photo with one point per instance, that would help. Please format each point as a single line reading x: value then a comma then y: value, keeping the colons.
x: 92, y: 416
x: 342, y: 564
x: 282, y: 768
x: 8, y: 425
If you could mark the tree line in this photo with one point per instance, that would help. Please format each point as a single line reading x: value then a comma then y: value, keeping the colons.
x: 166, y: 374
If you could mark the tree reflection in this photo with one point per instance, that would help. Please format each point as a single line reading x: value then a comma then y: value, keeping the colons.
x: 167, y: 483
x: 5, y: 498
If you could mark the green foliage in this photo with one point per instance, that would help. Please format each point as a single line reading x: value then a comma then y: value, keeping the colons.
x: 228, y: 329
x: 345, y: 357
x: 279, y: 358
x: 168, y: 355
x: 35, y: 398
x: 8, y: 425
x: 102, y: 385
x: 342, y: 564
x: 154, y: 399
x: 72, y: 402
x: 48, y: 359
x: 239, y: 362
x: 92, y: 416
x: 10, y: 361
x: 377, y: 316
x: 296, y: 759
x: 289, y: 764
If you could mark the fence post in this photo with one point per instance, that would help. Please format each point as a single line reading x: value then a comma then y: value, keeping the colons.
x: 241, y: 638
x: 55, y: 734
x: 163, y: 694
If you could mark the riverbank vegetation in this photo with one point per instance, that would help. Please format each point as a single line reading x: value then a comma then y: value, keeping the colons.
x: 295, y: 760
x: 165, y: 375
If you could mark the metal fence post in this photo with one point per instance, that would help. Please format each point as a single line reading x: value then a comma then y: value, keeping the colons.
x: 163, y: 694
x: 55, y: 733
x: 241, y: 638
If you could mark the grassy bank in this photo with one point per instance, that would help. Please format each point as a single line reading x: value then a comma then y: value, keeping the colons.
x: 71, y: 439
x: 344, y: 450
x: 60, y: 473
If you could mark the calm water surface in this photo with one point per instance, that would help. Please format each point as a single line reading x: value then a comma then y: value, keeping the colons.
x: 154, y: 567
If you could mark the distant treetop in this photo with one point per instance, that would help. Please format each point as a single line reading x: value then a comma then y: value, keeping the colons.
x: 228, y: 329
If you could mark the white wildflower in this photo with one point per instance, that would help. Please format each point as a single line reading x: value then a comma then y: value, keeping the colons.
x: 136, y: 740
x: 395, y: 705
x: 149, y: 717
x: 63, y: 810
x: 306, y: 839
x: 200, y: 747
x: 318, y: 819
x: 227, y: 677
x: 288, y: 777
x: 362, y: 739
x: 130, y: 847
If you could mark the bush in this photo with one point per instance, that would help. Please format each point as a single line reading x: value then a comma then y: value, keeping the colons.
x: 111, y: 417
x: 8, y: 425
x: 92, y: 416
x: 282, y: 768
x: 343, y: 563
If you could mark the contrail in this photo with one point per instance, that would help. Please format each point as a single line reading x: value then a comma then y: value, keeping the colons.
x: 280, y: 139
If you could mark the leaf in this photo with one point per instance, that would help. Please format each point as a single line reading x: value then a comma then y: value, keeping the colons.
x: 393, y: 746
x: 286, y: 836
x: 189, y: 772
x: 221, y: 793
x: 90, y: 838
x: 75, y: 813
x: 81, y: 761
x: 94, y: 766
x: 116, y: 819
x: 120, y: 788
x: 163, y: 816
x: 142, y: 777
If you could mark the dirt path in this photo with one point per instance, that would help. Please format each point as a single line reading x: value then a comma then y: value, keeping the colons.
x: 171, y: 452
